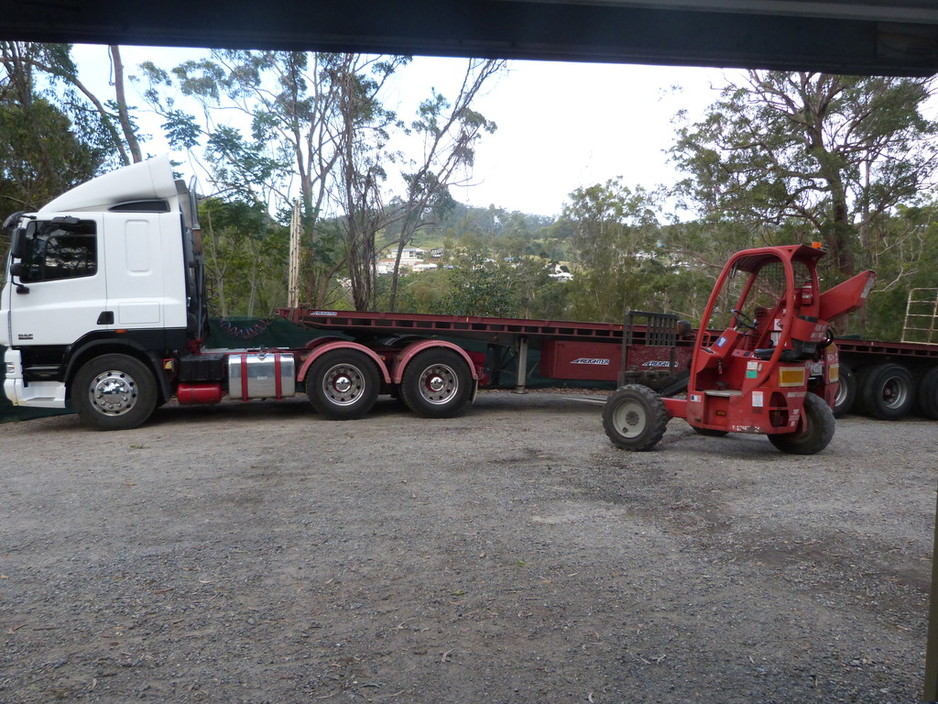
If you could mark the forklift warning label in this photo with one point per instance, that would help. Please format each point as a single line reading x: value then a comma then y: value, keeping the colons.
x: 596, y: 361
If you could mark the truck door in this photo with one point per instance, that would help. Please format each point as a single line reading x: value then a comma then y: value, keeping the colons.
x: 135, y: 285
x: 63, y: 291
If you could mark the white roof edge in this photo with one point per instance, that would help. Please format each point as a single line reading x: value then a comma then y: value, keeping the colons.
x: 145, y: 180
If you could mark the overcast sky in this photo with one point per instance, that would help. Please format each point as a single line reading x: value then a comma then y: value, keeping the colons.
x: 560, y: 125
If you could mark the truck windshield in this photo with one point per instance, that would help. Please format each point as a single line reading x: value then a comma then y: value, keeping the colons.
x: 54, y: 250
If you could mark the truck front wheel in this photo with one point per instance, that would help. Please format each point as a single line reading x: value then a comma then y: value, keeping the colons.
x: 343, y: 384
x: 114, y: 392
x: 436, y: 384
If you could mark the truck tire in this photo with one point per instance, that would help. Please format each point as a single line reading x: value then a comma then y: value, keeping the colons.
x: 928, y: 394
x: 635, y: 418
x: 887, y: 391
x: 815, y: 433
x: 846, y: 392
x: 343, y: 384
x: 114, y: 392
x: 436, y: 383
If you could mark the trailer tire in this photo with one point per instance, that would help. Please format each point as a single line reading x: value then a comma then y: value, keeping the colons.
x: 928, y: 394
x: 635, y: 418
x: 815, y: 433
x: 114, y: 392
x: 887, y: 391
x: 436, y: 383
x: 846, y: 392
x: 343, y: 384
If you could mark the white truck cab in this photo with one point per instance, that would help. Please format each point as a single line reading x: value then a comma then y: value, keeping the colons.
x: 104, y: 309
x: 112, y: 265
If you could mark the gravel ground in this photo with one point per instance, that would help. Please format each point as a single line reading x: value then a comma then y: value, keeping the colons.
x: 258, y: 553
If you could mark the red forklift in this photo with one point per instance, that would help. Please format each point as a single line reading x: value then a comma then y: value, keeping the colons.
x: 773, y: 369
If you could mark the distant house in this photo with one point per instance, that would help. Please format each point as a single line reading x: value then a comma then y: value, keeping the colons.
x: 411, y: 257
x: 384, y: 266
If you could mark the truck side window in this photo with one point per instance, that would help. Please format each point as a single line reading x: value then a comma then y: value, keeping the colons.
x: 55, y: 251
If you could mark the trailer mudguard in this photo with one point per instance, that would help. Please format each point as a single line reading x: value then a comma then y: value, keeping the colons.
x: 320, y: 350
x: 415, y: 348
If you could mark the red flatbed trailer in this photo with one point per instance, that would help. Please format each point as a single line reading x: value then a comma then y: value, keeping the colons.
x: 569, y: 351
x: 883, y: 379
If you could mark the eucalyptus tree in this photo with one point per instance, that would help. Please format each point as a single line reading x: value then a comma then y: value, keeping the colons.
x: 54, y: 132
x: 813, y: 156
x: 449, y: 131
x: 278, y: 123
x: 615, y: 241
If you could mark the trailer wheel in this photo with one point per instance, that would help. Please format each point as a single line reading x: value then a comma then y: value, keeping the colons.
x: 436, y: 384
x: 928, y: 394
x: 114, y: 392
x: 846, y: 392
x: 343, y: 384
x: 887, y: 391
x: 815, y: 433
x: 635, y: 418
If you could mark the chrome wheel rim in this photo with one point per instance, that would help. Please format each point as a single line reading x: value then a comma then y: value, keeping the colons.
x: 895, y: 393
x: 113, y: 392
x: 438, y: 384
x: 343, y: 384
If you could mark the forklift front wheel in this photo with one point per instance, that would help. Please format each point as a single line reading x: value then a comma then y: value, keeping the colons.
x: 635, y: 418
x: 815, y: 433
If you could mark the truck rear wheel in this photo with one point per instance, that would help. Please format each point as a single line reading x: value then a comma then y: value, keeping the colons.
x: 815, y: 433
x: 436, y: 384
x: 635, y: 418
x: 343, y: 384
x: 928, y: 394
x: 887, y: 391
x: 114, y: 392
x: 846, y: 391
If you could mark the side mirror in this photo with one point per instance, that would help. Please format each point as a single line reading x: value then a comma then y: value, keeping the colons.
x: 17, y: 269
x: 18, y: 246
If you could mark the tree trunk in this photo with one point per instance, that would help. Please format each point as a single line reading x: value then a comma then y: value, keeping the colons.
x: 123, y: 114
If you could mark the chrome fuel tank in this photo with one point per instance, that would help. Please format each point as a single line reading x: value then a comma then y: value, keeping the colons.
x: 261, y: 375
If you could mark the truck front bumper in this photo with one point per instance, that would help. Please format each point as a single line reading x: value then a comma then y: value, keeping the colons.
x: 36, y: 394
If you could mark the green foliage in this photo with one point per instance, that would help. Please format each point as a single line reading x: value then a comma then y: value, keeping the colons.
x: 245, y: 258
x: 830, y: 155
x: 49, y: 140
x: 40, y: 156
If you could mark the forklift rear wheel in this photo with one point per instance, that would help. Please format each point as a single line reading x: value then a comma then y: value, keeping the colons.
x: 635, y: 418
x: 815, y: 433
